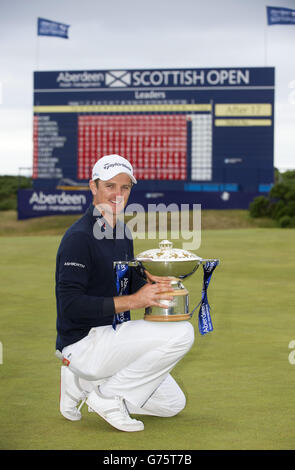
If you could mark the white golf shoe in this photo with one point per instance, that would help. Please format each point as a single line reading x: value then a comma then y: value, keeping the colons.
x: 71, y: 394
x: 114, y: 411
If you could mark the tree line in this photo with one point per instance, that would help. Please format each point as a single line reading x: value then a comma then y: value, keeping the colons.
x: 279, y: 203
x: 8, y: 190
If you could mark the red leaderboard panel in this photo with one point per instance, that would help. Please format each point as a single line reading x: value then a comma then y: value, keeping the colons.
x: 156, y: 145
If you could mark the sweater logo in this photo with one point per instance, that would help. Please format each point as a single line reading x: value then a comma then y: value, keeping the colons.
x: 72, y: 263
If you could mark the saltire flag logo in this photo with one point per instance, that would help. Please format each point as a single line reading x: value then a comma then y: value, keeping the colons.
x: 118, y: 78
x: 52, y: 28
x: 278, y: 15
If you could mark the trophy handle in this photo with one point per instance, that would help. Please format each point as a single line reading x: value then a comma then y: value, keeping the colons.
x: 133, y: 263
x: 192, y: 272
x: 201, y: 261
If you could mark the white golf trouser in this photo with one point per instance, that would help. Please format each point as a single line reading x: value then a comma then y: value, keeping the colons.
x: 134, y: 361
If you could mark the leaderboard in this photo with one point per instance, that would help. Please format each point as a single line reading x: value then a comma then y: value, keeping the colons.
x: 155, y: 144
x: 179, y: 125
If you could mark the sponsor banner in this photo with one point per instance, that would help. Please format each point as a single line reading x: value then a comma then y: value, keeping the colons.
x: 39, y: 203
x: 211, y: 197
x: 153, y: 79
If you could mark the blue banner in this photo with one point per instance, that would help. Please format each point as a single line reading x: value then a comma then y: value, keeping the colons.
x: 136, y: 81
x: 122, y: 284
x: 278, y: 15
x: 52, y: 28
x: 34, y: 203
x: 205, y: 322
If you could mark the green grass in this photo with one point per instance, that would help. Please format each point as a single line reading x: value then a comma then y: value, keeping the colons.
x: 238, y: 380
x: 56, y: 225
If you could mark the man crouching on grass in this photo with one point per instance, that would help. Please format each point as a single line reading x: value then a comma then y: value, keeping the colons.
x: 119, y: 366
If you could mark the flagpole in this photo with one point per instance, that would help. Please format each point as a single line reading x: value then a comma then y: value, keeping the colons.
x: 37, y: 54
x: 37, y: 48
x: 266, y: 24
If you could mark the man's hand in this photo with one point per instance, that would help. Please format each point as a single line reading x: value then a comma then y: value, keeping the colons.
x: 151, y: 294
x: 148, y: 296
x: 163, y: 280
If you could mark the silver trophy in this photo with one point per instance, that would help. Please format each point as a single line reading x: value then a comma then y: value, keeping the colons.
x: 178, y: 264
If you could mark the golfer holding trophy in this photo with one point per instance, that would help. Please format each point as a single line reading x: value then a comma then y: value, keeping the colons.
x: 117, y: 365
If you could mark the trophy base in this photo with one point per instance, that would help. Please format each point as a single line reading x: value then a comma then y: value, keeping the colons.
x: 172, y: 310
x: 167, y: 318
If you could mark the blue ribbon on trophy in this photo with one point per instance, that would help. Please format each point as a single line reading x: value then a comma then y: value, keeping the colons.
x: 122, y: 284
x: 204, y: 318
x: 205, y: 322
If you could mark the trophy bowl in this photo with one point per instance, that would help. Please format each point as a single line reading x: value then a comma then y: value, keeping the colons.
x: 177, y: 264
x: 168, y: 261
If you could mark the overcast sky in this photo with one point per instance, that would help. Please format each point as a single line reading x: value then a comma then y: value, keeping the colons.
x: 111, y: 34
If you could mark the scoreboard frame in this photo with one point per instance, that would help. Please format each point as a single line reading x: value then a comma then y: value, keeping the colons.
x: 219, y: 136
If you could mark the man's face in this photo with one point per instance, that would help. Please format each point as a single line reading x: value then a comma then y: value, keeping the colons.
x: 112, y: 195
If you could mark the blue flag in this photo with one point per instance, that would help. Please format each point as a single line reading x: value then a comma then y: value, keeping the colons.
x: 52, y: 28
x: 278, y: 15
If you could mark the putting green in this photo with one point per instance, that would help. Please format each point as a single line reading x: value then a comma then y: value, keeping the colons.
x: 238, y: 380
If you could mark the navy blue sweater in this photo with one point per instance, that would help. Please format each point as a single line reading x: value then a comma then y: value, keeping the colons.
x: 85, y: 279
